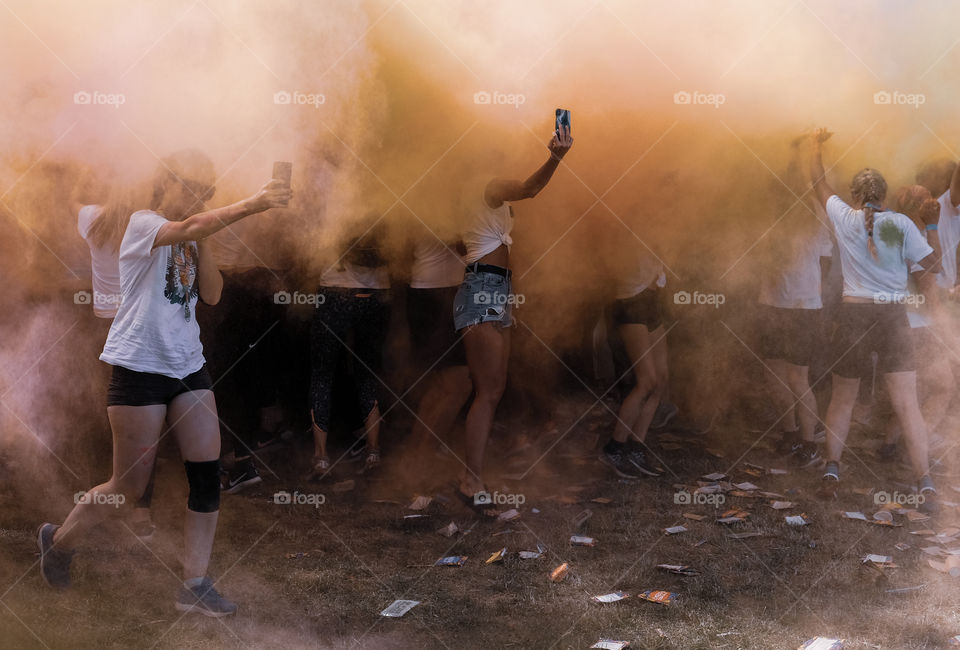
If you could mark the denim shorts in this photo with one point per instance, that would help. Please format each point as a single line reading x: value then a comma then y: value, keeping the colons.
x: 483, y: 297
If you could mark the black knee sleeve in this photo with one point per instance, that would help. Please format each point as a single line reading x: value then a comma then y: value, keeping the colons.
x: 204, y: 480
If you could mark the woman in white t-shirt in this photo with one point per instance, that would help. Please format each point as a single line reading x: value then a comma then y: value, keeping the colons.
x: 484, y: 304
x: 876, y: 246
x: 158, y: 371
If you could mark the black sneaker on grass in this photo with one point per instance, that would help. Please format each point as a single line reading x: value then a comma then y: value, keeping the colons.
x: 204, y: 599
x: 54, y: 563
x: 805, y: 454
x: 618, y: 461
x: 637, y: 456
x: 244, y: 475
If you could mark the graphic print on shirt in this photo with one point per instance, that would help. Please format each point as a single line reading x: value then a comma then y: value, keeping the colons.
x: 181, y: 277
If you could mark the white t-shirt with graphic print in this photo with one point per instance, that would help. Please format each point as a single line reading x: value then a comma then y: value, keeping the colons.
x: 155, y: 329
x: 898, y: 240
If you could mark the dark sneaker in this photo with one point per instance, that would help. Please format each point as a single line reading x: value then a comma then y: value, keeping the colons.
x: 665, y: 413
x: 54, y: 563
x: 244, y: 475
x: 204, y: 599
x: 619, y: 463
x: 321, y: 467
x: 819, y: 434
x: 805, y: 454
x: 638, y: 457
x: 788, y: 440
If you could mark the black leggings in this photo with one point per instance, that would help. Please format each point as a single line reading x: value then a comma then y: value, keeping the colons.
x: 339, y: 312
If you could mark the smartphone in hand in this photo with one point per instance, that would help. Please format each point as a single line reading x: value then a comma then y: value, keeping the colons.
x: 283, y: 171
x: 563, y: 121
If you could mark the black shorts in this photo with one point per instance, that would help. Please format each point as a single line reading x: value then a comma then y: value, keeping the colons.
x: 435, y: 341
x: 132, y: 388
x: 864, y: 328
x: 788, y: 334
x: 641, y: 309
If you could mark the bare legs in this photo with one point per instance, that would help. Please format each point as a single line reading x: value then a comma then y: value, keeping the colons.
x: 647, y: 352
x: 793, y: 396
x: 488, y: 348
x: 136, y: 430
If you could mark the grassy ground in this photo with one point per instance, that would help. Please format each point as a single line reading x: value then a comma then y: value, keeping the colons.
x: 357, y: 555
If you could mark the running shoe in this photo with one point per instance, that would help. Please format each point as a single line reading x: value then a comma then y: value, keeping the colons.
x: 788, y: 440
x: 372, y: 460
x: 805, y: 454
x: 637, y: 456
x: 832, y: 471
x: 321, y: 467
x: 204, y: 599
x: 244, y: 475
x: 928, y: 504
x: 619, y: 462
x: 54, y: 563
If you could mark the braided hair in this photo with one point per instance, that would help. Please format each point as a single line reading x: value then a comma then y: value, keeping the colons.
x: 869, y: 189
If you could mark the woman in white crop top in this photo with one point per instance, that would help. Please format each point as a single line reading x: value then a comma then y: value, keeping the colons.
x: 483, y: 305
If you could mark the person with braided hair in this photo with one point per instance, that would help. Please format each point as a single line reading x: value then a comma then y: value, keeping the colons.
x: 876, y: 248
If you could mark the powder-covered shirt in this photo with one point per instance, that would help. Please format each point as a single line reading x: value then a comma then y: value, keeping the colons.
x: 898, y: 242
x: 155, y: 329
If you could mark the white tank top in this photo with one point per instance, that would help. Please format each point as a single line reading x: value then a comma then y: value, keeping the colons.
x: 489, y: 229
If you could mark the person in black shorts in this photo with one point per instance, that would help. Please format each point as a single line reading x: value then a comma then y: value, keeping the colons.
x: 876, y: 248
x: 789, y: 313
x: 159, y: 373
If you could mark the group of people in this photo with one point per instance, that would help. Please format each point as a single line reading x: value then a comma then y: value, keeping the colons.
x: 157, y: 259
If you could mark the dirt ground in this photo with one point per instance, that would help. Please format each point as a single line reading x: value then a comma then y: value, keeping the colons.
x: 317, y: 575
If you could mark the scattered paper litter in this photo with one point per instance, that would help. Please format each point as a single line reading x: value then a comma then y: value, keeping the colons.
x: 716, y: 476
x: 449, y: 530
x: 579, y: 540
x: 782, y: 505
x: 679, y: 569
x: 509, y: 515
x: 610, y: 598
x: 610, y: 644
x: 452, y: 560
x: 694, y: 517
x: 658, y: 596
x: 822, y: 643
x: 796, y: 520
x: 497, y: 557
x: 531, y: 555
x: 854, y: 515
x: 747, y: 486
x: 558, y: 574
x: 419, y: 503
x: 399, y: 607
x: 674, y: 530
